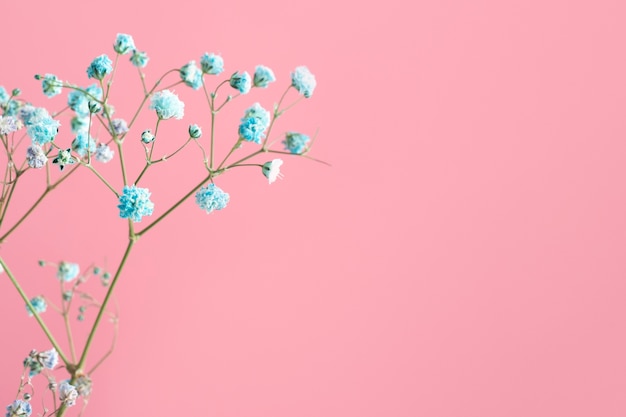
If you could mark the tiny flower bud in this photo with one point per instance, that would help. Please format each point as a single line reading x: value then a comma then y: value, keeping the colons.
x: 16, y: 92
x: 94, y: 107
x: 81, y: 309
x: 147, y: 136
x: 80, y: 317
x: 42, y: 262
x: 96, y: 270
x: 106, y: 275
x: 27, y: 396
x: 194, y: 131
x: 67, y: 295
x: 37, y: 77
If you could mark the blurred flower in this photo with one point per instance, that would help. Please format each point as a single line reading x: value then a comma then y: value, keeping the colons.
x: 251, y: 129
x: 258, y: 112
x: 191, y: 75
x: 100, y: 67
x: 303, y: 81
x: 212, y: 64
x: 124, y: 44
x: 39, y: 305
x: 147, y: 136
x: 210, y: 198
x: 67, y: 394
x: 119, y: 126
x: 19, y: 408
x: 83, y: 144
x: 51, y: 85
x: 9, y: 124
x: 295, y: 142
x: 139, y: 59
x: 67, y: 271
x: 42, y: 128
x: 241, y: 82
x: 263, y: 76
x: 103, y: 153
x: 49, y: 359
x: 83, y: 385
x: 135, y: 203
x: 271, y: 170
x: 79, y: 100
x: 167, y: 105
x: 35, y: 156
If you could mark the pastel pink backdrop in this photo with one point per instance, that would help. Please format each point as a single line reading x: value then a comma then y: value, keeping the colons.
x: 464, y: 256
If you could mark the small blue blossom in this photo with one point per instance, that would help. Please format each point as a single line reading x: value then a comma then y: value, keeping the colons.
x: 191, y: 75
x: 51, y: 85
x: 139, y: 59
x: 135, y: 203
x: 211, y: 197
x: 295, y: 142
x: 251, y: 129
x: 67, y: 394
x: 35, y: 156
x: 33, y: 365
x: 83, y: 144
x: 39, y: 305
x: 12, y: 108
x: 79, y: 100
x: 303, y: 81
x: 263, y: 76
x: 103, y: 153
x: 212, y: 64
x: 19, y: 408
x: 147, y: 136
x: 260, y: 113
x: 67, y: 271
x: 241, y: 81
x: 4, y: 96
x: 271, y: 170
x: 31, y: 114
x: 9, y: 124
x: 194, y: 131
x: 124, y: 44
x: 64, y: 157
x: 167, y: 105
x: 119, y: 126
x: 100, y: 67
x: 49, y: 359
x: 79, y: 124
x: 43, y: 129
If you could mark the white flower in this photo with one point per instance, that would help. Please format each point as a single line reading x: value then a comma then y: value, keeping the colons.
x: 103, y: 153
x: 67, y: 394
x: 272, y: 170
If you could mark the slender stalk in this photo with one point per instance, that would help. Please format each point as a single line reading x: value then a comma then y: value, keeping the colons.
x: 35, y: 314
x: 92, y: 169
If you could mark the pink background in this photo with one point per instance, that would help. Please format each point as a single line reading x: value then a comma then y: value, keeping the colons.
x: 464, y: 256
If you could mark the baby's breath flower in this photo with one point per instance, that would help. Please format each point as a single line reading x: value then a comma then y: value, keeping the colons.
x: 84, y: 144
x: 83, y: 385
x: 303, y: 81
x: 251, y: 129
x: 19, y: 408
x: 67, y: 271
x: 33, y: 365
x: 100, y: 67
x: 271, y: 170
x: 139, y: 59
x: 260, y: 113
x: 295, y: 142
x: 64, y: 157
x: 147, y: 136
x: 79, y: 124
x: 134, y: 203
x: 42, y: 128
x: 263, y: 76
x: 191, y: 75
x: 39, y: 305
x: 35, y: 156
x: 241, y: 81
x: 9, y: 124
x: 103, y: 153
x: 212, y: 64
x: 211, y: 197
x: 119, y: 126
x: 51, y: 85
x: 79, y: 100
x: 49, y: 359
x: 167, y: 105
x: 123, y: 44
x: 4, y: 96
x: 194, y: 131
x: 67, y: 394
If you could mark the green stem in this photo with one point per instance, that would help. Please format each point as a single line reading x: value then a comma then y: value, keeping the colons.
x: 35, y: 314
x: 92, y: 169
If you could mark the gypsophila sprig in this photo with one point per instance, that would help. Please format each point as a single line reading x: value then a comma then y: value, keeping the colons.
x: 87, y: 132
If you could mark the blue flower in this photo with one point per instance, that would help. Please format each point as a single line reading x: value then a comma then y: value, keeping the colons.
x: 67, y: 271
x: 51, y: 85
x: 4, y: 96
x: 124, y: 44
x: 34, y: 366
x: 31, y: 114
x: 79, y: 124
x: 241, y: 82
x: 167, y: 105
x: 19, y: 408
x: 49, y: 359
x: 83, y: 144
x: 212, y: 64
x: 271, y: 170
x: 211, y: 198
x: 295, y: 142
x: 139, y: 59
x: 251, y: 129
x: 258, y: 112
x: 35, y: 156
x: 194, y: 131
x: 79, y: 101
x: 64, y: 157
x: 303, y: 81
x: 9, y: 124
x: 119, y: 126
x: 100, y: 67
x: 67, y: 394
x: 135, y: 203
x: 39, y: 305
x: 103, y: 153
x: 42, y: 128
x: 191, y: 75
x: 147, y: 136
x: 263, y: 76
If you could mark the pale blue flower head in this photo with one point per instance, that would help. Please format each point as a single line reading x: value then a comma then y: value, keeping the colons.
x: 83, y: 144
x: 79, y: 101
x: 147, y: 136
x: 167, y: 105
x: 257, y: 111
x: 124, y: 44
x: 139, y: 59
x: 295, y: 142
x: 35, y: 156
x: 67, y: 271
x: 303, y: 81
x: 241, y: 82
x: 100, y: 67
x: 263, y: 76
x: 79, y: 124
x: 211, y: 197
x: 64, y: 157
x: 252, y: 129
x: 51, y: 85
x: 271, y: 170
x: 19, y: 408
x: 42, y: 128
x: 83, y: 385
x: 34, y: 366
x: 191, y: 75
x: 134, y: 203
x: 212, y: 64
x: 4, y: 96
x: 103, y: 153
x: 119, y: 126
x: 9, y: 124
x: 67, y: 394
x: 49, y: 359
x: 194, y: 131
x: 39, y: 305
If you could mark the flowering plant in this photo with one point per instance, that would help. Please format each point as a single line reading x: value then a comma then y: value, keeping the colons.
x: 77, y: 149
